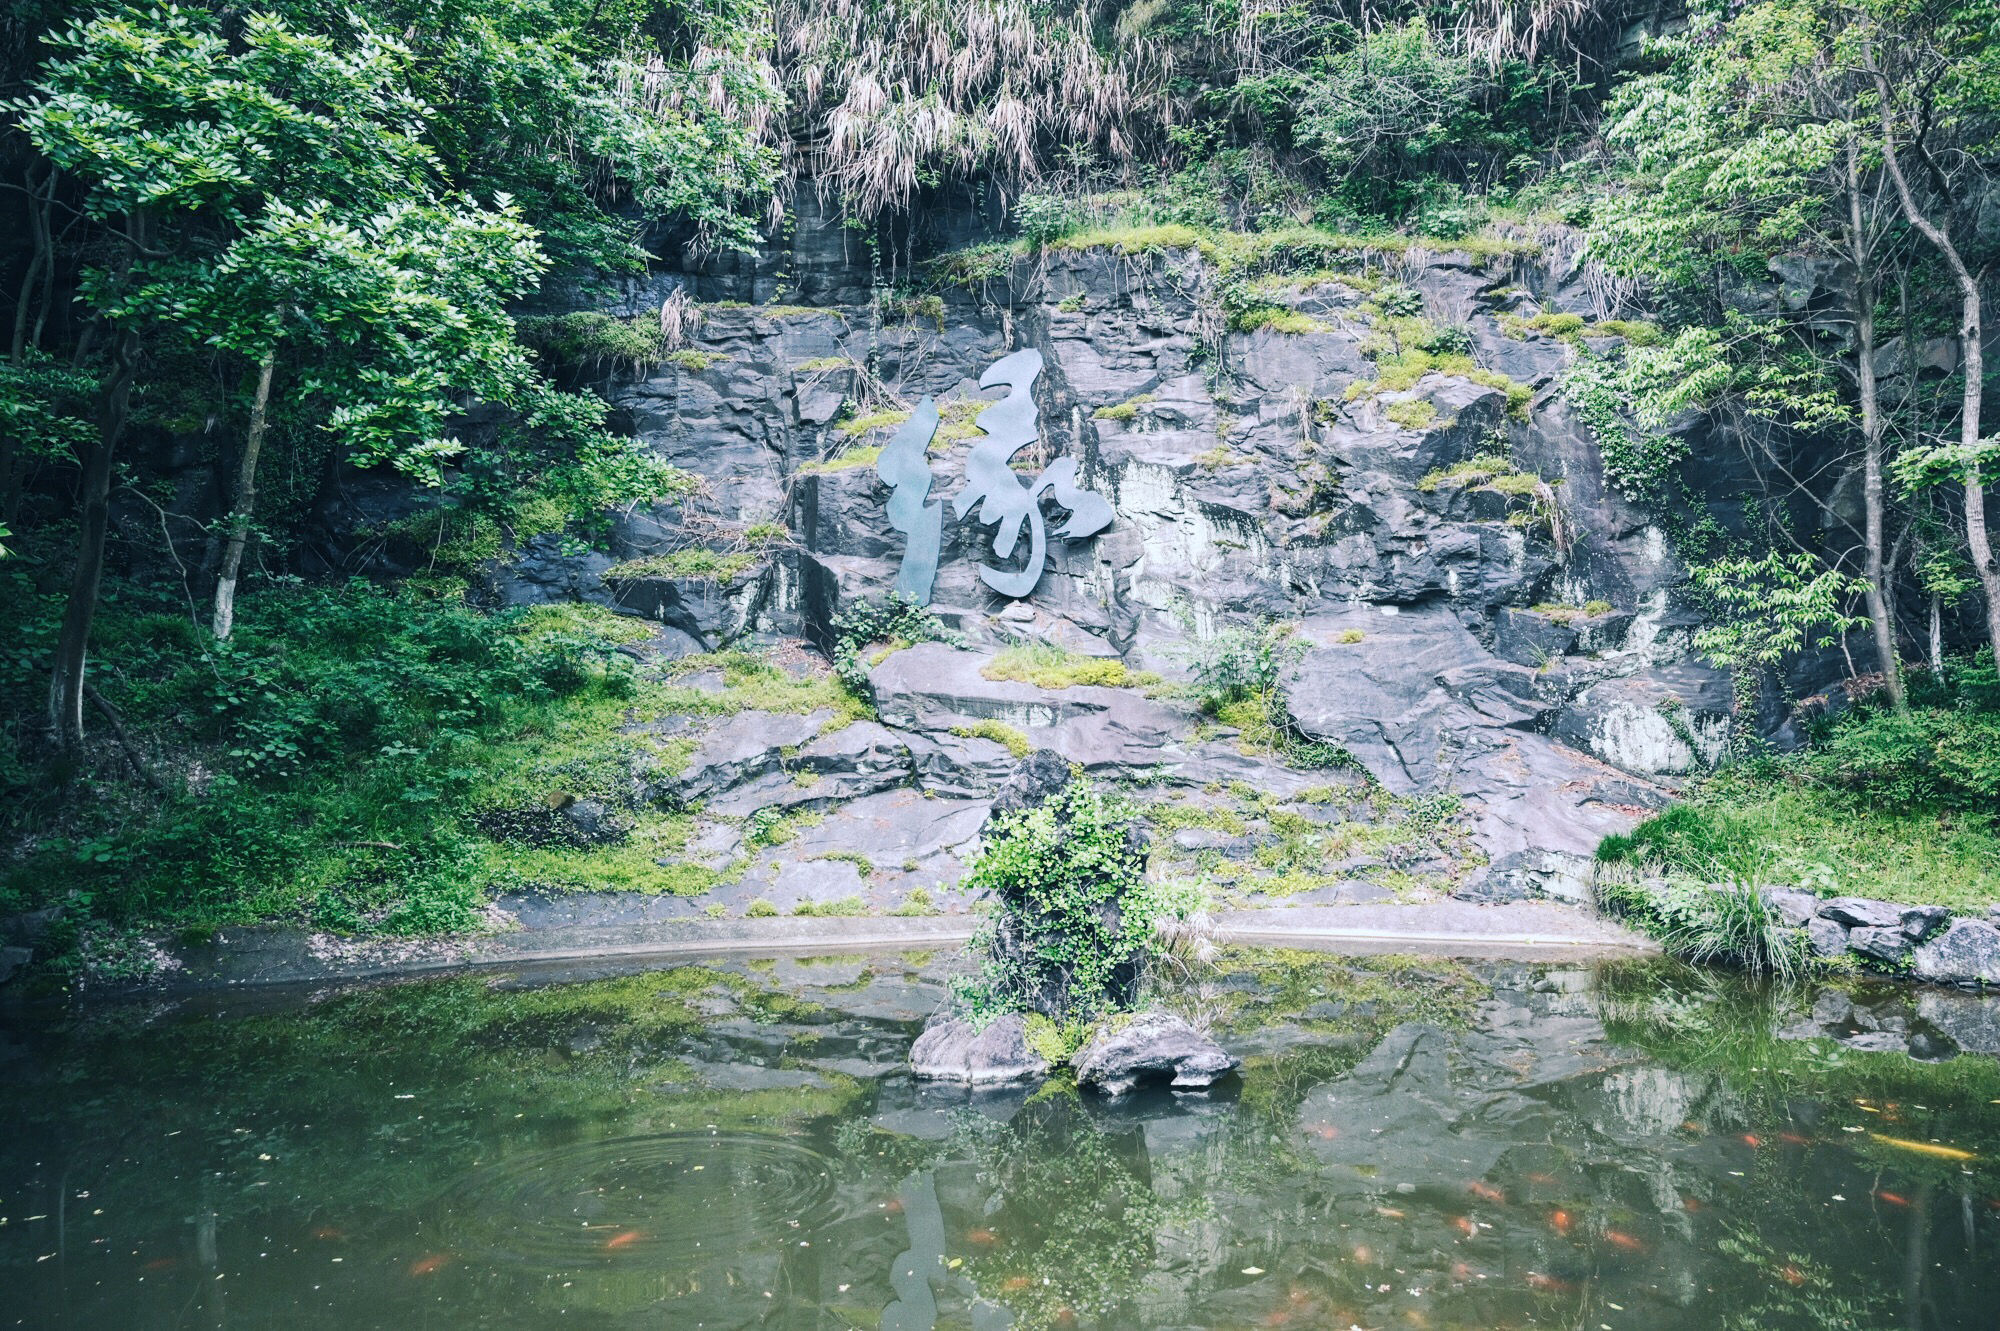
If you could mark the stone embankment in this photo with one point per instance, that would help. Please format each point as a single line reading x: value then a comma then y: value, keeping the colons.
x: 1922, y: 942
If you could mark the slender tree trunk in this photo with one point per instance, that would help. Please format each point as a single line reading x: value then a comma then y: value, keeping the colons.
x: 66, y: 686
x: 1881, y: 622
x: 114, y: 405
x: 1973, y: 365
x: 29, y: 275
x: 246, y: 501
x: 1937, y: 639
x: 17, y: 347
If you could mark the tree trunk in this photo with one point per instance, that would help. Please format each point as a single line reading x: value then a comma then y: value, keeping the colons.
x: 1937, y: 639
x: 1881, y: 622
x: 246, y: 501
x: 114, y: 405
x: 1971, y: 310
x: 66, y: 685
x: 17, y: 348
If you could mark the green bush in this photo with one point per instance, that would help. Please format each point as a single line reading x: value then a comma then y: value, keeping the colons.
x: 892, y: 621
x: 328, y: 762
x: 1684, y: 836
x: 1727, y: 924
x: 1934, y: 758
x: 1076, y: 914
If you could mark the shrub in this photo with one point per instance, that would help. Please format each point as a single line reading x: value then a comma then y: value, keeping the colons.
x: 1075, y: 914
x: 1727, y: 924
x: 1934, y: 758
x: 893, y: 621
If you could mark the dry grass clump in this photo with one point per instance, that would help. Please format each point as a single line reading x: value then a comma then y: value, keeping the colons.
x: 892, y: 92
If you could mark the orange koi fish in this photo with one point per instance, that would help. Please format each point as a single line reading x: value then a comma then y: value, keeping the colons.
x: 624, y: 1240
x: 1625, y: 1241
x: 1485, y: 1192
x: 424, y: 1266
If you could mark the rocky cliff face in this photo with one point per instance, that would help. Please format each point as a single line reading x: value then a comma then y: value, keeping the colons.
x: 1500, y: 645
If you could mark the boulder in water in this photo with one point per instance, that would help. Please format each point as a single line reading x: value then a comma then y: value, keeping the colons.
x: 953, y: 1049
x: 1151, y: 1046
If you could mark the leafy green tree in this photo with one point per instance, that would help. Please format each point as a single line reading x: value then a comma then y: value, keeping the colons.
x: 1771, y: 607
x: 1935, y: 69
x: 182, y: 141
x: 265, y: 188
x: 1754, y: 143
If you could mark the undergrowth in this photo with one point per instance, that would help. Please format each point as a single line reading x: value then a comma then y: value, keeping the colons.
x: 1899, y: 808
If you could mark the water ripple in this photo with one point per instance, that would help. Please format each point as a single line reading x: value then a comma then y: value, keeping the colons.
x: 611, y: 1200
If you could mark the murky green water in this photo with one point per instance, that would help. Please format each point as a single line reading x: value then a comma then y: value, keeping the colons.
x: 1412, y: 1144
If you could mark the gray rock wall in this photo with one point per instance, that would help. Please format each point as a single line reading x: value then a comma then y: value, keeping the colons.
x: 1248, y: 484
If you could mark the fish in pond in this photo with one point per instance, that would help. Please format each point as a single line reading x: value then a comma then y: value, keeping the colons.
x: 1548, y: 1284
x: 1752, y: 1140
x: 982, y: 1236
x: 1015, y: 1284
x: 424, y: 1266
x: 1794, y: 1139
x: 624, y: 1240
x: 1923, y: 1148
x: 1546, y: 1180
x: 1792, y: 1276
x: 1893, y: 1198
x: 1690, y: 1204
x: 1618, y: 1239
x: 1388, y: 1213
x: 1485, y: 1192
x: 1560, y: 1222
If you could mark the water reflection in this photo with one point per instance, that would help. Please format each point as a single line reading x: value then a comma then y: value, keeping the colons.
x: 1412, y: 1144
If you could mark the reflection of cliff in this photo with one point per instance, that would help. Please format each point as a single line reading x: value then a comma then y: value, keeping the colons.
x: 1472, y: 1144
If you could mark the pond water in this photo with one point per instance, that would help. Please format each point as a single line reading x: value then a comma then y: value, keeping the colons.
x: 1412, y: 1143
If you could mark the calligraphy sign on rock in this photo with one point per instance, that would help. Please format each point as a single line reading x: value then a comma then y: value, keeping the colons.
x: 1004, y: 500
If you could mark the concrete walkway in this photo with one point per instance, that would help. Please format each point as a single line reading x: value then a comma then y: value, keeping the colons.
x: 593, y: 927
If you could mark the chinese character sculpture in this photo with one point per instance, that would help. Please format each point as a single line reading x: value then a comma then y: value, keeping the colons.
x: 1004, y: 500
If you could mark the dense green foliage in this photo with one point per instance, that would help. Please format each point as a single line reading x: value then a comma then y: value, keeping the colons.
x: 1075, y: 912
x: 341, y: 746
